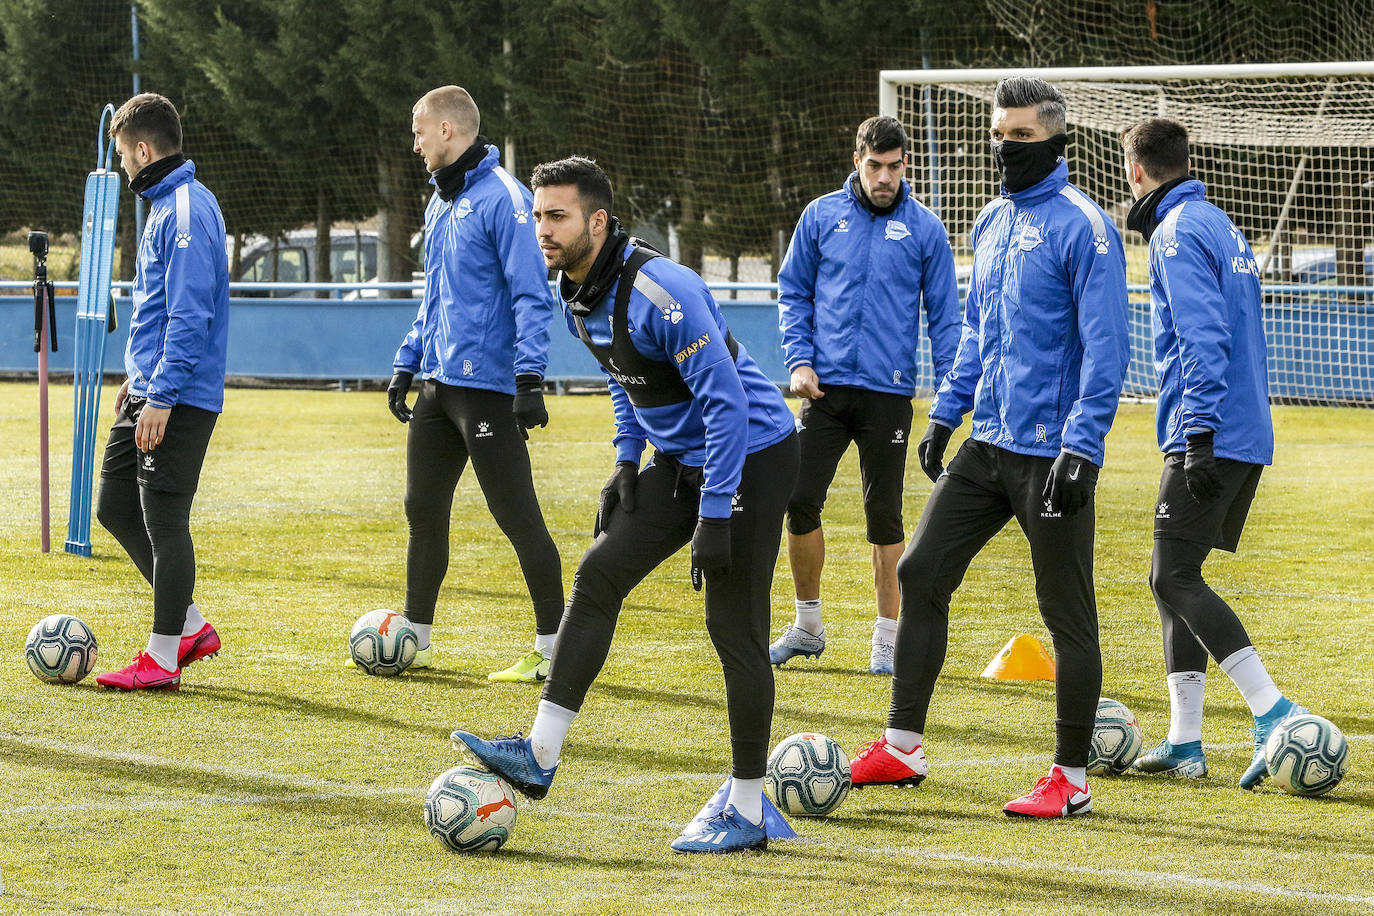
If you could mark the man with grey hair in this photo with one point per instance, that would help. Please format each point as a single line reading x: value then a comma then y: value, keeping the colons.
x: 1040, y: 363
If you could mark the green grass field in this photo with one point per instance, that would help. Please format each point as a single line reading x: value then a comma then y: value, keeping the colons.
x: 278, y: 782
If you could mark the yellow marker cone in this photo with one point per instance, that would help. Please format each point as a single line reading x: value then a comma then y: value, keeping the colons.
x: 1023, y: 658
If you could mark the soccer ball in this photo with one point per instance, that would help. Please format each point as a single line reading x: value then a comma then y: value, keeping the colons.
x: 60, y: 649
x: 808, y: 775
x: 470, y: 810
x: 383, y: 643
x: 1306, y: 755
x: 1116, y: 739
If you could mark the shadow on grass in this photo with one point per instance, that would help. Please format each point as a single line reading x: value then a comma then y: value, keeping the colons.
x: 295, y: 703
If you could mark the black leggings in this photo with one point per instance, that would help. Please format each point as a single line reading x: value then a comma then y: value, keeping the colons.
x: 154, y: 528
x: 667, y: 498
x: 450, y: 426
x: 1196, y: 620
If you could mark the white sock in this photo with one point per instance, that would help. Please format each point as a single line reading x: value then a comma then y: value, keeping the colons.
x: 1185, y: 706
x: 1077, y: 776
x: 546, y: 644
x: 551, y: 724
x: 194, y: 621
x: 1252, y: 680
x: 903, y: 741
x: 422, y: 633
x: 164, y: 650
x: 884, y: 632
x: 747, y: 797
x: 809, y: 616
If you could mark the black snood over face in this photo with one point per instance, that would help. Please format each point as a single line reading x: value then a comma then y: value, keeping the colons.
x: 1024, y: 164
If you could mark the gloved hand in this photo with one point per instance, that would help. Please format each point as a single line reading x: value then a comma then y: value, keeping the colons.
x: 618, y: 491
x: 931, y: 450
x: 529, y: 401
x: 710, y: 549
x: 1070, y: 484
x: 1200, y: 468
x: 396, y: 395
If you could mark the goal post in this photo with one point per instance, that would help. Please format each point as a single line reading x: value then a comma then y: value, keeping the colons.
x: 1287, y: 150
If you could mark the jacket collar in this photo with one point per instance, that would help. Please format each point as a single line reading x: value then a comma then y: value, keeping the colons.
x: 1042, y: 190
x: 179, y: 176
x: 1192, y: 189
x: 490, y: 160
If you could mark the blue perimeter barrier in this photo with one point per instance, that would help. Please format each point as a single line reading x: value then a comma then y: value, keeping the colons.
x: 1321, y: 346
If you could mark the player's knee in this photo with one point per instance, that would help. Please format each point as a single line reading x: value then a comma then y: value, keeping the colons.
x: 1171, y: 580
x: 884, y: 529
x: 803, y: 517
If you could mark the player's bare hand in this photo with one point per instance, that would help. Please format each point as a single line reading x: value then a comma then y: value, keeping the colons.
x: 152, y: 426
x: 805, y: 384
x: 121, y: 396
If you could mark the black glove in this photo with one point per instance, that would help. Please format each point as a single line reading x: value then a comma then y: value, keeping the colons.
x: 1200, y: 468
x: 1071, y: 483
x: 618, y: 491
x: 396, y: 395
x: 931, y: 450
x: 529, y: 401
x: 710, y: 549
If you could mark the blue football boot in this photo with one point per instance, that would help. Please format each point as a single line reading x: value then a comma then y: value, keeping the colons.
x: 1185, y: 760
x: 511, y: 758
x: 1258, y: 771
x: 796, y: 641
x: 727, y: 831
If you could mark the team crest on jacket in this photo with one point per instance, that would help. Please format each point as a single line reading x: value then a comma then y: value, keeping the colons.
x: 896, y: 230
x: 842, y: 225
x: 463, y: 209
x: 1101, y: 244
x: 522, y: 216
x: 1030, y: 238
x: 183, y: 239
x: 1171, y: 248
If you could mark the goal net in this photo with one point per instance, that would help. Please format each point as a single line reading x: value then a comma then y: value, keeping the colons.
x: 1286, y: 150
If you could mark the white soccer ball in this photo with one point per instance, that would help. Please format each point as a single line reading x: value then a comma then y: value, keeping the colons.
x: 808, y: 775
x: 470, y: 810
x: 60, y: 649
x: 383, y: 643
x: 1306, y: 755
x: 1117, y: 739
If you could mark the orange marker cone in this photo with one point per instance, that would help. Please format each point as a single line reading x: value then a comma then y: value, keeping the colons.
x: 1023, y: 658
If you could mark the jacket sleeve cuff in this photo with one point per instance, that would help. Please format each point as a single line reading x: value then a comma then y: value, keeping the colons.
x: 716, y: 505
x: 629, y: 450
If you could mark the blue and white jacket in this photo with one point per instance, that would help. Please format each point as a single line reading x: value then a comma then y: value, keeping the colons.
x: 851, y: 287
x: 1207, y: 312
x: 487, y: 305
x: 179, y: 329
x: 734, y: 410
x: 1045, y: 342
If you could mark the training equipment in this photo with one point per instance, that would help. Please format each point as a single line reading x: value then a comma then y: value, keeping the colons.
x: 1117, y: 739
x: 876, y: 764
x: 1258, y: 770
x: 204, y: 643
x: 509, y: 757
x: 1186, y: 760
x: 143, y: 673
x: 808, y: 775
x: 383, y: 643
x: 533, y: 668
x: 1023, y: 658
x: 1052, y: 796
x: 1306, y: 755
x: 60, y: 649
x: 470, y: 810
x: 44, y: 342
x: 725, y: 832
x: 795, y: 641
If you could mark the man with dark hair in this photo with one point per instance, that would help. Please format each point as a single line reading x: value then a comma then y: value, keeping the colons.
x: 1214, y: 429
x: 174, y: 391
x: 1041, y: 363
x: 724, y: 463
x: 481, y: 339
x: 862, y: 261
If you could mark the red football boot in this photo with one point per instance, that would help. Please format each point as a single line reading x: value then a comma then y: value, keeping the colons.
x: 1052, y: 796
x: 876, y: 764
x: 204, y: 643
x: 143, y: 673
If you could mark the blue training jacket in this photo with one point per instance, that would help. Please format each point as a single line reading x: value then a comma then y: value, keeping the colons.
x: 1045, y: 342
x: 487, y: 306
x: 179, y: 329
x: 735, y: 410
x: 1207, y: 312
x: 851, y: 287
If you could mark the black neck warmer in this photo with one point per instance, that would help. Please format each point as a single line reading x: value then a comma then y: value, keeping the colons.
x: 1024, y: 164
x: 605, y: 269
x: 870, y: 206
x: 153, y: 173
x: 452, y: 178
x: 1142, y: 216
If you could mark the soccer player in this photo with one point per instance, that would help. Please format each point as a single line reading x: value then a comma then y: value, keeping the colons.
x: 862, y: 261
x: 1215, y: 432
x: 1040, y: 362
x: 174, y: 390
x: 724, y: 464
x: 481, y: 338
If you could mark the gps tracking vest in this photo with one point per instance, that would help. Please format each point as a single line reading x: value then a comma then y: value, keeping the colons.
x: 647, y: 382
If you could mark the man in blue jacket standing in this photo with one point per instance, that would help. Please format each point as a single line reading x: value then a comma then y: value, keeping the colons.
x: 174, y: 391
x: 724, y: 464
x: 1041, y: 362
x: 481, y: 339
x: 1215, y: 432
x: 862, y: 261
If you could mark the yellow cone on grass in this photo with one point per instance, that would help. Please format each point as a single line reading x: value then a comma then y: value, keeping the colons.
x: 1023, y: 658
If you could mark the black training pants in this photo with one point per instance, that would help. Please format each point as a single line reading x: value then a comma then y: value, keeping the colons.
x: 667, y: 499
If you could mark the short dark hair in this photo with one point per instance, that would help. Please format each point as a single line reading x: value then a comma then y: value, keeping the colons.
x: 1025, y: 91
x: 880, y: 134
x: 1159, y: 145
x: 151, y: 118
x: 592, y: 184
